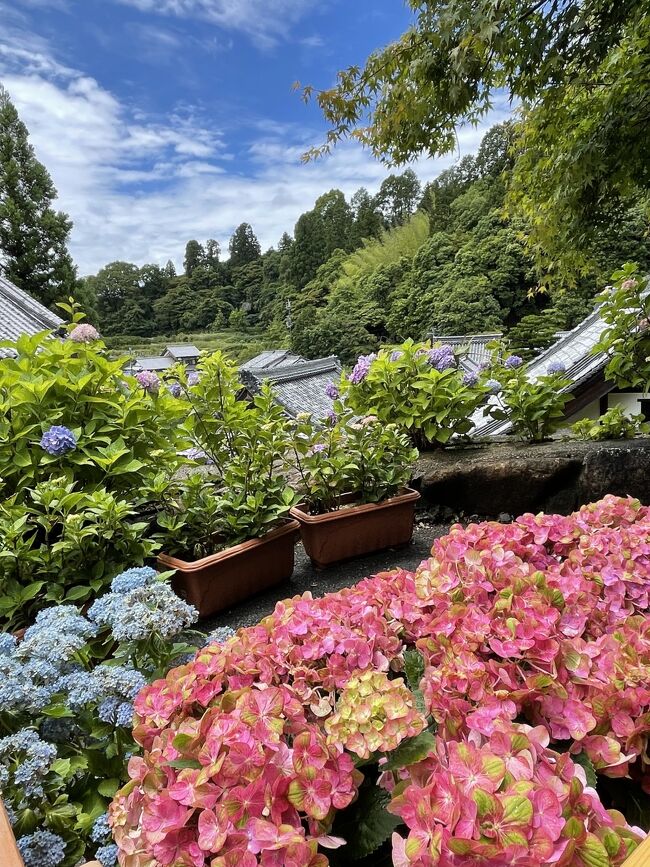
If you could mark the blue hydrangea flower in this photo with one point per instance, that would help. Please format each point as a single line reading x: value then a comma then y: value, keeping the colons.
x: 470, y: 378
x: 58, y: 441
x: 145, y: 611
x: 361, y: 368
x: 8, y: 643
x: 131, y: 579
x: 556, y: 367
x: 57, y: 633
x: 28, y: 759
x: 175, y: 389
x: 442, y: 358
x: 493, y: 385
x: 396, y: 355
x: 219, y: 635
x: 100, y: 829
x: 512, y: 362
x: 332, y: 391
x: 107, y: 855
x: 193, y: 378
x: 42, y: 849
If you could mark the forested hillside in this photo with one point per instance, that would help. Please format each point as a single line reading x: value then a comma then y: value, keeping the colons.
x: 380, y: 268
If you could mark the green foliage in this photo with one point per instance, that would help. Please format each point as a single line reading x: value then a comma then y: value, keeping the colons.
x: 365, y: 825
x: 403, y: 388
x: 579, y: 70
x: 246, y: 443
x: 615, y: 424
x: 411, y: 751
x: 59, y: 543
x: 33, y: 236
x: 125, y: 436
x: 367, y: 461
x: 535, y: 408
x: 626, y: 310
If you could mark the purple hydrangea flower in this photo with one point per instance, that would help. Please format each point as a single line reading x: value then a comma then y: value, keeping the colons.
x: 442, y: 358
x: 556, y: 367
x: 58, y: 440
x: 493, y: 385
x: 318, y: 448
x: 149, y: 381
x: 512, y: 362
x: 331, y: 417
x: 361, y: 368
x: 396, y: 355
x: 470, y: 378
x: 175, y: 389
x: 84, y: 333
x: 332, y: 391
x: 193, y: 378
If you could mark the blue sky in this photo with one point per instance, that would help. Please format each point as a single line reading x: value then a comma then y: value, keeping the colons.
x: 164, y: 120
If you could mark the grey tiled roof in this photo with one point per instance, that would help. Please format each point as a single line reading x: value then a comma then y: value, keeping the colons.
x: 150, y: 362
x: 21, y: 314
x: 182, y: 350
x: 473, y: 347
x: 273, y: 358
x: 298, y: 387
x: 574, y: 350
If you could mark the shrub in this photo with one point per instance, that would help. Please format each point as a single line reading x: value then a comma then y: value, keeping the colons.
x: 366, y: 458
x: 420, y: 389
x: 484, y: 707
x: 246, y: 493
x: 615, y: 424
x: 67, y: 409
x: 66, y: 709
x: 625, y: 307
x: 61, y: 544
x: 534, y: 408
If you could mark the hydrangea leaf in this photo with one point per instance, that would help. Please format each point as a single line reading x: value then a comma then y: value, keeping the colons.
x: 585, y: 762
x: 410, y: 751
x: 413, y: 668
x: 366, y: 824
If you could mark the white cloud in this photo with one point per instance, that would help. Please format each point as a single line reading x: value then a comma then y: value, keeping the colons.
x: 265, y: 21
x: 137, y: 187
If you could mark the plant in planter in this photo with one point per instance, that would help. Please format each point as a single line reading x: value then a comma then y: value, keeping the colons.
x: 615, y: 424
x: 66, y: 708
x: 419, y: 388
x: 228, y: 533
x: 535, y: 408
x: 354, y: 476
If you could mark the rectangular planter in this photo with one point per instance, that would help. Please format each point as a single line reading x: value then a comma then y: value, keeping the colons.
x: 357, y: 530
x: 215, y: 583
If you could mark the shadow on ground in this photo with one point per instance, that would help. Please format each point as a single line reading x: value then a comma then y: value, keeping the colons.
x: 305, y: 577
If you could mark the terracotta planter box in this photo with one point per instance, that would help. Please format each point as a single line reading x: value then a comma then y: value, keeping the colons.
x: 357, y: 530
x: 231, y: 576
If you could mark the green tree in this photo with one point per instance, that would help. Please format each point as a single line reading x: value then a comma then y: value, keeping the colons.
x: 244, y: 246
x: 398, y: 197
x: 194, y: 256
x: 33, y: 236
x: 368, y: 222
x: 112, y: 286
x: 580, y: 70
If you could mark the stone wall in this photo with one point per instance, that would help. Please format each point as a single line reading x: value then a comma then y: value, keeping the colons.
x: 511, y: 478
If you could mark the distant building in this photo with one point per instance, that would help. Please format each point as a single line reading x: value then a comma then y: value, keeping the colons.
x: 21, y: 314
x: 298, y: 385
x: 591, y: 393
x: 183, y: 353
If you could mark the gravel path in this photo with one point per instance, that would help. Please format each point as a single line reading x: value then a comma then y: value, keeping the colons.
x: 305, y: 577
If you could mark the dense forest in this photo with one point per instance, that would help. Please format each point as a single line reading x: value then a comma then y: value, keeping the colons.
x: 404, y: 261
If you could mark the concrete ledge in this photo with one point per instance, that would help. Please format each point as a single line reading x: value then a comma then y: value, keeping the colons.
x: 512, y: 478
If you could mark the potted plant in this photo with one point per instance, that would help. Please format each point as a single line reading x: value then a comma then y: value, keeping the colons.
x: 354, y: 476
x: 227, y: 530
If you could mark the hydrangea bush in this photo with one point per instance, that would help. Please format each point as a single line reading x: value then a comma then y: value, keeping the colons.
x: 66, y: 710
x: 347, y: 457
x: 421, y: 389
x: 481, y: 710
x: 534, y: 407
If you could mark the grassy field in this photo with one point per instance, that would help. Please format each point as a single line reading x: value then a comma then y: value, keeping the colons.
x: 241, y: 346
